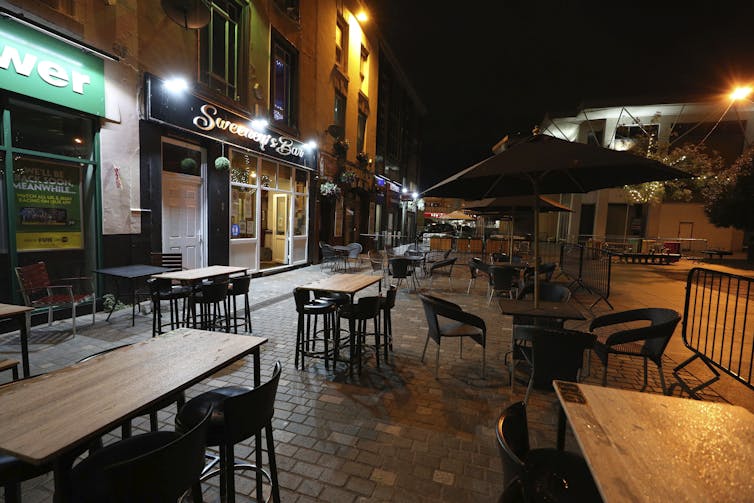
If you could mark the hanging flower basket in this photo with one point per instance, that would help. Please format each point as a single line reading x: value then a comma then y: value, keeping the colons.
x: 329, y: 189
x: 188, y: 165
x: 348, y: 177
x: 222, y: 163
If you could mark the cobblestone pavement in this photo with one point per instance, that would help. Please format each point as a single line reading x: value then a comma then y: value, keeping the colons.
x: 394, y: 433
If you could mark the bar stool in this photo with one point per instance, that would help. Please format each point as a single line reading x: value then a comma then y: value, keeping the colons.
x: 237, y: 414
x: 239, y: 286
x: 163, y: 290
x: 357, y: 315
x: 387, y: 303
x: 212, y: 300
x: 309, y: 311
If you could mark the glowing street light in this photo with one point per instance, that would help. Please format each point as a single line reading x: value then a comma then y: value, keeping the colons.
x: 740, y: 93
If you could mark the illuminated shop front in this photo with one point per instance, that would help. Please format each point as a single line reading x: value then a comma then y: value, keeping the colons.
x: 250, y: 196
x: 51, y: 95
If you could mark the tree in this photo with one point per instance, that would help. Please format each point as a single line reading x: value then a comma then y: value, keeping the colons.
x: 729, y: 198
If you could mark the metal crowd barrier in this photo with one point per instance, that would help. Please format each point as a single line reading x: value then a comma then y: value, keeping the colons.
x: 589, y: 268
x: 718, y: 325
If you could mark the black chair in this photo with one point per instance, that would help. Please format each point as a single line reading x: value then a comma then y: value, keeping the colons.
x: 309, y: 311
x: 402, y: 268
x: 647, y: 342
x: 238, y: 413
x: 442, y: 267
x: 212, y: 301
x: 539, y: 475
x: 367, y: 308
x: 446, y: 319
x: 473, y: 270
x: 556, y: 354
x: 156, y: 467
x: 330, y: 256
x: 161, y: 290
x: 387, y: 303
x: 525, y: 326
x: 239, y: 286
x: 173, y: 260
x: 499, y: 257
x: 377, y: 261
x: 354, y: 250
x: 503, y: 281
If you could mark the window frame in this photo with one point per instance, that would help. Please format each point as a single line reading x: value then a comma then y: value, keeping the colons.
x: 231, y: 88
x: 289, y: 121
x: 341, y: 46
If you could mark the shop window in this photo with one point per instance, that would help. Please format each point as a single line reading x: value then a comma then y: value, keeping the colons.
x: 219, y: 49
x: 243, y: 202
x: 269, y: 174
x: 283, y: 85
x: 361, y: 133
x: 341, y: 44
x: 55, y: 132
x: 339, y: 112
x: 302, y: 181
x: 179, y: 159
x: 243, y: 168
x: 284, y: 177
x: 299, y: 215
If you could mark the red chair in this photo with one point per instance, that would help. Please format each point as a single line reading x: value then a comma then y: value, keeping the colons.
x: 40, y: 293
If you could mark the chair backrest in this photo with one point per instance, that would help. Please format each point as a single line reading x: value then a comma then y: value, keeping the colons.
x: 239, y: 285
x: 548, y: 292
x: 365, y: 309
x: 163, y: 474
x: 431, y: 306
x: 31, y: 279
x: 354, y: 249
x: 513, y: 441
x: 169, y: 259
x: 662, y: 324
x: 214, y: 292
x: 557, y: 354
x: 328, y: 252
x: 502, y: 277
x: 499, y: 257
x: 376, y: 259
x: 247, y: 413
x: 444, y: 263
x: 302, y: 297
x: 473, y: 268
x: 390, y: 297
x: 400, y: 267
x: 447, y: 253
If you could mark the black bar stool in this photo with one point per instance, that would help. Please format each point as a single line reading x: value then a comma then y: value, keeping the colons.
x: 239, y: 286
x: 161, y: 290
x: 357, y: 315
x: 212, y: 301
x: 309, y: 311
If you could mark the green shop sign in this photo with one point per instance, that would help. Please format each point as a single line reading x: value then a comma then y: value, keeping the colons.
x: 43, y: 67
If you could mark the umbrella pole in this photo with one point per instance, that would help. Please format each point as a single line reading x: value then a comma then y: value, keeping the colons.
x: 536, y: 244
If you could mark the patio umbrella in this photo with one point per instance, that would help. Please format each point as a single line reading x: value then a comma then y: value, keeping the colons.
x: 542, y: 164
x: 510, y: 204
x: 456, y: 215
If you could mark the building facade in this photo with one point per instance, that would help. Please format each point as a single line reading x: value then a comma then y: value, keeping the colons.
x: 130, y: 129
x: 716, y: 125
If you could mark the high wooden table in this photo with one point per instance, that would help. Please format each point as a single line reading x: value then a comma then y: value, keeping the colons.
x: 194, y: 276
x: 21, y: 315
x: 344, y: 283
x: 650, y: 447
x: 45, y: 418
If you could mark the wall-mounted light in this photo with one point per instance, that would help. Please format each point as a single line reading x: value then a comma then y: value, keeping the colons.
x: 310, y: 145
x: 404, y: 190
x: 362, y: 16
x: 259, y: 124
x: 78, y: 141
x: 176, y: 85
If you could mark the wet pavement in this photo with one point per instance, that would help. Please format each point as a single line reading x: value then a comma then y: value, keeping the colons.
x: 395, y: 433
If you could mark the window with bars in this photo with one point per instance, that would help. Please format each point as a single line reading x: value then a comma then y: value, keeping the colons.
x: 219, y: 49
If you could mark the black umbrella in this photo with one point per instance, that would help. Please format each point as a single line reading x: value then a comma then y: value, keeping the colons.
x: 542, y: 164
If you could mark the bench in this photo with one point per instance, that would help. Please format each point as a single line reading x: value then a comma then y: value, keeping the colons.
x: 719, y: 253
x: 650, y: 258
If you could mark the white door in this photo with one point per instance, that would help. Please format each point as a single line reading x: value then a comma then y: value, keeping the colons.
x: 280, y: 232
x: 182, y: 217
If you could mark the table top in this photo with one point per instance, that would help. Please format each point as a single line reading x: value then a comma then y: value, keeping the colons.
x: 133, y: 271
x: 344, y: 283
x: 202, y: 273
x: 44, y: 416
x: 650, y: 447
x: 559, y: 310
x: 10, y: 310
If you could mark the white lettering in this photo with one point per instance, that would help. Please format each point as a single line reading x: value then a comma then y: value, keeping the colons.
x: 10, y: 55
x: 208, y: 121
x: 52, y: 73
x: 78, y: 82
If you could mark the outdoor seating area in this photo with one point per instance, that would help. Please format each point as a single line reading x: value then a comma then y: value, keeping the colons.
x: 354, y: 352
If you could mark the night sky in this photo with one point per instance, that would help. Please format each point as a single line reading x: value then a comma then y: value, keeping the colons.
x: 484, y: 69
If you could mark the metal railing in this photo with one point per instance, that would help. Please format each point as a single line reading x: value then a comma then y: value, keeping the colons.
x: 589, y: 268
x: 634, y: 244
x: 718, y: 325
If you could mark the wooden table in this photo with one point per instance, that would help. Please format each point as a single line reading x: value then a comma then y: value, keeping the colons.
x: 21, y: 315
x: 651, y: 447
x: 130, y: 273
x: 719, y: 253
x: 45, y: 418
x: 557, y: 310
x: 344, y: 283
x: 194, y: 276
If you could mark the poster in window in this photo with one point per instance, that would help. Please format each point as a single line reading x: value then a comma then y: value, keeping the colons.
x: 48, y: 206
